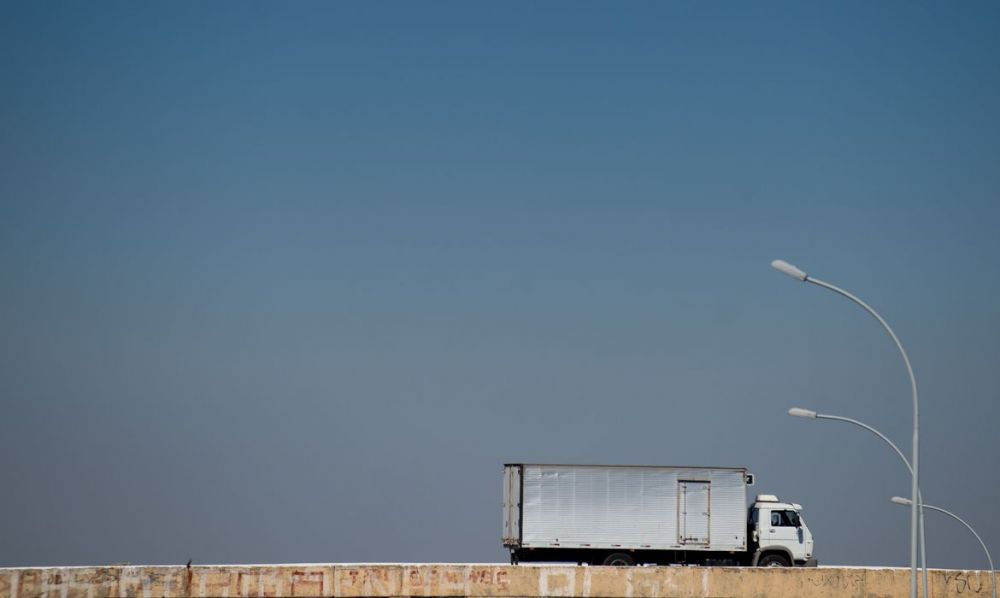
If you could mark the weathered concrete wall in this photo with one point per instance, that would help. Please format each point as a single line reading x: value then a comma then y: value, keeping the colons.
x: 478, y: 581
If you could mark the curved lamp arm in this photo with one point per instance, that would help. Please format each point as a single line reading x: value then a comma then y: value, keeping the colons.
x: 905, y: 501
x: 810, y: 414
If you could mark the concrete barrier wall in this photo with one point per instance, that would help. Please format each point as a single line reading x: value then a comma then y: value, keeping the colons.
x: 486, y: 581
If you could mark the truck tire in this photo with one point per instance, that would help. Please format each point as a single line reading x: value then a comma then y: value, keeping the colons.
x: 618, y: 559
x: 773, y: 560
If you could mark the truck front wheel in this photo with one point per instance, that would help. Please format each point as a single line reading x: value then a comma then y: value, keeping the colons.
x: 773, y: 560
x: 618, y: 559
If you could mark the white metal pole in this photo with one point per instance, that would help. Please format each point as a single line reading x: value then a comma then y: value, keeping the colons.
x: 794, y: 272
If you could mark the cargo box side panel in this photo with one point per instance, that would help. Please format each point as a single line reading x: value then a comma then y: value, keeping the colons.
x: 599, y: 507
x: 729, y: 510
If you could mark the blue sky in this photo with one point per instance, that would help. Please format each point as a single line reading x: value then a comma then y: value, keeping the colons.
x: 289, y: 282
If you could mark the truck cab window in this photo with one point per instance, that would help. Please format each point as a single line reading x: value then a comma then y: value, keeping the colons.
x: 784, y: 519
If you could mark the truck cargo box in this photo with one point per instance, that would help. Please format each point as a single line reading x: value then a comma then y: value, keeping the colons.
x: 628, y: 507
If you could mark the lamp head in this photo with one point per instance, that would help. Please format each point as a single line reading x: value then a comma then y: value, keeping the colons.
x: 800, y: 412
x: 786, y: 268
x: 899, y: 500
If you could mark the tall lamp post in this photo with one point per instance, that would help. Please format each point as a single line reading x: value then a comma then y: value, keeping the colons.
x: 905, y: 501
x: 790, y: 270
x: 809, y: 414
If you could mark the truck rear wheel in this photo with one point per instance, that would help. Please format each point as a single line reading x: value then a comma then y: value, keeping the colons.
x: 773, y: 560
x: 618, y: 559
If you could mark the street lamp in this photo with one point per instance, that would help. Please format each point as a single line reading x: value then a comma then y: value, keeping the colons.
x: 790, y: 270
x: 905, y: 501
x: 809, y: 414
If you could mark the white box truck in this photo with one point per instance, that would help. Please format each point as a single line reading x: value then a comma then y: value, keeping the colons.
x: 632, y: 515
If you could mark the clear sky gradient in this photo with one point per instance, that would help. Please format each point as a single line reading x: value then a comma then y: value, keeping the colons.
x: 289, y: 282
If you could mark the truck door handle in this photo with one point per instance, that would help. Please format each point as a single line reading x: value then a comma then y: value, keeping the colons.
x: 771, y: 530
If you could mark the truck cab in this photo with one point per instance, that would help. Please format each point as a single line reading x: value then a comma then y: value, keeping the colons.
x: 779, y: 534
